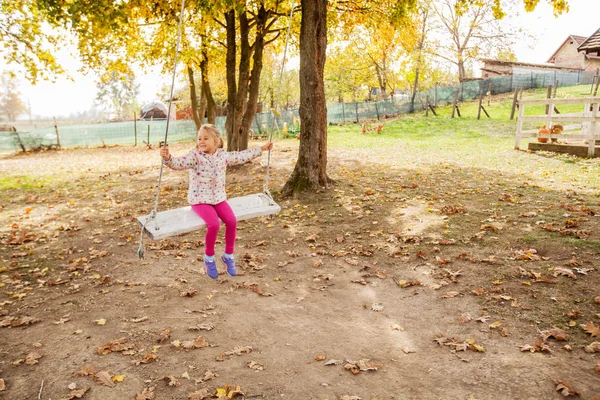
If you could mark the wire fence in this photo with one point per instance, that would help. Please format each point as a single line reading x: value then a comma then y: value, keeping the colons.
x: 285, y: 123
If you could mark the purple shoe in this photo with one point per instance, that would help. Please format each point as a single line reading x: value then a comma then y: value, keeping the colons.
x: 211, y: 268
x: 230, y: 265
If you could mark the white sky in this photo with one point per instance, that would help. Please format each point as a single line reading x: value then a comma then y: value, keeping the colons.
x: 64, y: 96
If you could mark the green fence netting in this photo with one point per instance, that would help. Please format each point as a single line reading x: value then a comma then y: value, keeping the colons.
x: 286, y: 122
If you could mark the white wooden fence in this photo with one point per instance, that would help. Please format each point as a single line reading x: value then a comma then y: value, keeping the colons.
x: 586, y: 123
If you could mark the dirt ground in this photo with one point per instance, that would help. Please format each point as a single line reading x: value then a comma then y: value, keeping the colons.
x: 404, y: 280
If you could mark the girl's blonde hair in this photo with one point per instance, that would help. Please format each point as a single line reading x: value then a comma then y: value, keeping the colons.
x: 213, y: 131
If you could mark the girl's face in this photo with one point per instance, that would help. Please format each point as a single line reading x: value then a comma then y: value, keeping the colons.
x: 206, y: 142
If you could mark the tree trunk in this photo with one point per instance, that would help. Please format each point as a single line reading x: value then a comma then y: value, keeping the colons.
x: 259, y: 45
x: 419, y: 56
x: 194, y: 98
x: 207, y: 97
x: 461, y: 68
x: 202, y: 106
x: 230, y: 68
x: 311, y: 167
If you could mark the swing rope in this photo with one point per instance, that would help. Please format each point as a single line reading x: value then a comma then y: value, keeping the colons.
x: 273, y: 122
x: 152, y: 216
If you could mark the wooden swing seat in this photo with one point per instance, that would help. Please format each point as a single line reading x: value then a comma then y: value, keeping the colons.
x: 184, y: 220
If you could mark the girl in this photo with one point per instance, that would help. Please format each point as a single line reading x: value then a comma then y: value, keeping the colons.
x: 207, y: 164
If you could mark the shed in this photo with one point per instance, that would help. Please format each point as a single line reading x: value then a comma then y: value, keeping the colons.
x: 592, y: 44
x: 154, y: 110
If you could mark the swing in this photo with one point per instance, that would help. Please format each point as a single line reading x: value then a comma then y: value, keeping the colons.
x: 160, y: 225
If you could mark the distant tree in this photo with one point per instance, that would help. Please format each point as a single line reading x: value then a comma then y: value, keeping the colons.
x: 117, y: 93
x: 10, y: 102
x: 470, y: 32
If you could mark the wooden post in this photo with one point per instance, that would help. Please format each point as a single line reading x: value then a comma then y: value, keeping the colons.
x: 514, y: 104
x: 427, y: 105
x: 597, y: 84
x: 343, y: 113
x: 56, y: 130
x: 377, y: 111
x: 519, y: 126
x: 356, y: 108
x: 134, y: 130
x: 548, y: 94
x: 454, y: 106
x: 148, y: 142
x: 595, y: 77
x: 480, y: 106
x: 555, y: 87
x: 593, y: 127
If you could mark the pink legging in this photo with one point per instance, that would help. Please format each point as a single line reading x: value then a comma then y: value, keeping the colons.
x: 211, y: 213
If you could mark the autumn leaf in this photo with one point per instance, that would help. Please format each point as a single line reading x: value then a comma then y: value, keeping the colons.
x: 200, y: 394
x: 565, y: 389
x: 2, y: 385
x: 255, y: 365
x: 119, y: 345
x: 592, y: 329
x: 104, y: 378
x: 449, y: 295
x: 228, y: 392
x: 32, y: 358
x: 146, y: 394
x: 76, y: 394
x: 593, y: 348
x: 172, y: 381
x: 478, y: 291
x: 320, y: 357
x: 361, y: 365
x: 556, y: 333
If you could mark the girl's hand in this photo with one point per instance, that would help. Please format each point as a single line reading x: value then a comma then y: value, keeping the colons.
x: 267, y: 146
x: 164, y: 153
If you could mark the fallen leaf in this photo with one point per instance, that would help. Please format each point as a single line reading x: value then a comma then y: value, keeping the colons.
x: 592, y: 347
x: 377, y: 307
x: 2, y: 385
x: 146, y: 394
x: 172, y: 381
x: 592, y: 329
x: 478, y: 292
x: 104, y: 378
x: 565, y: 389
x: 361, y: 365
x: 319, y: 357
x: 100, y: 321
x: 556, y: 333
x: 76, y: 394
x: 255, y: 365
x: 333, y: 362
x: 32, y: 358
x: 118, y: 345
x: 449, y: 295
x: 118, y: 378
x: 200, y: 394
x: 565, y: 272
x: 86, y: 370
x: 229, y: 392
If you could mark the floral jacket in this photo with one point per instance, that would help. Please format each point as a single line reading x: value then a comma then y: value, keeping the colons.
x: 207, y: 172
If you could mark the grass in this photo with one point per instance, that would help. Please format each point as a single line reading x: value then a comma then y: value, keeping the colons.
x: 22, y: 182
x: 466, y: 141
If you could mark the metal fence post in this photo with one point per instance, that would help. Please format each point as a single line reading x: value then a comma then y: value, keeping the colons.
x: 134, y: 130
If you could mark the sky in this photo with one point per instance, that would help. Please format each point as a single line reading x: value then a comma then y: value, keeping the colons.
x: 66, y: 96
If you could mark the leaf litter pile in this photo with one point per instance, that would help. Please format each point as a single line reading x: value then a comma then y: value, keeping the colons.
x: 396, y: 280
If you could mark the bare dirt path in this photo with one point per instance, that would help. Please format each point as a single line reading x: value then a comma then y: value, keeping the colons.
x: 408, y: 279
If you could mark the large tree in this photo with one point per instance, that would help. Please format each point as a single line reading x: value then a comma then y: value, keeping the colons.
x: 311, y: 167
x: 117, y: 93
x: 467, y: 33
